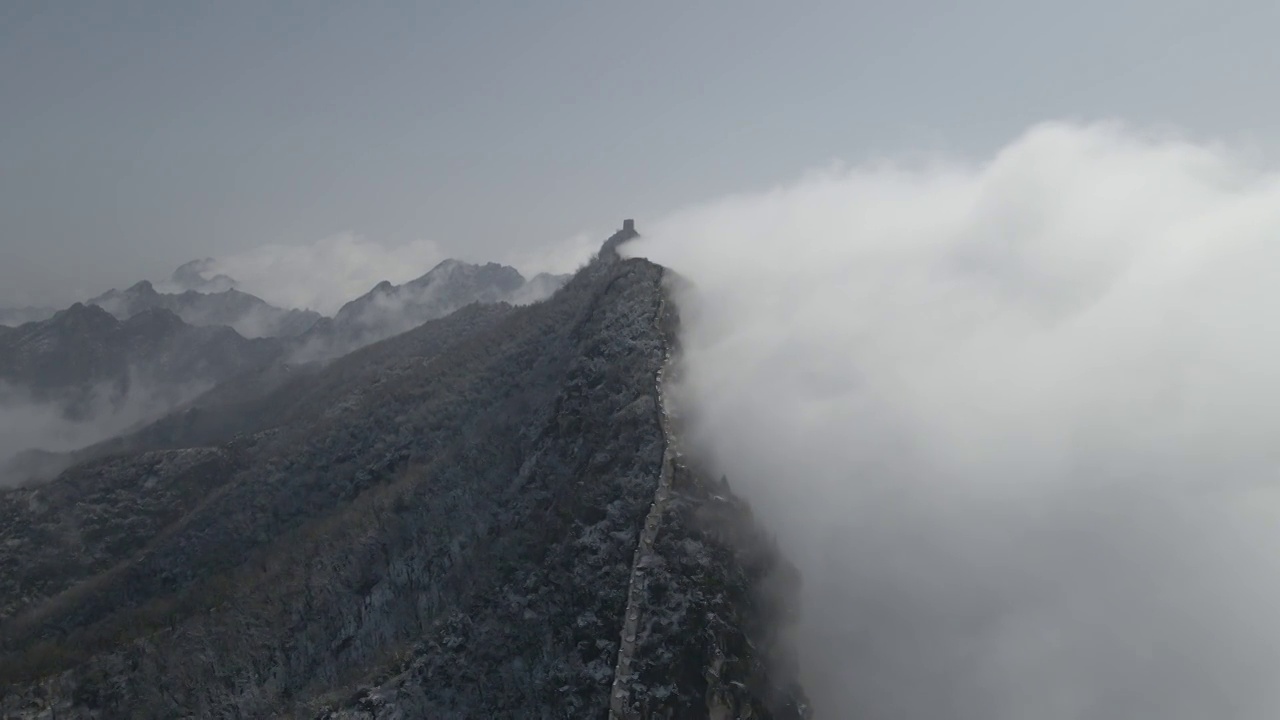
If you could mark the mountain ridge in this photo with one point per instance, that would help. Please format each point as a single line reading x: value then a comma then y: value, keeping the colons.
x: 106, y: 367
x: 247, y: 314
x: 449, y: 531
x: 85, y: 345
x: 387, y: 309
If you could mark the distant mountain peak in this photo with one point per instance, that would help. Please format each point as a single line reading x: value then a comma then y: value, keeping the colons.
x: 247, y: 314
x: 448, y: 263
x: 80, y: 313
x: 389, y: 309
x: 99, y: 374
x: 155, y: 318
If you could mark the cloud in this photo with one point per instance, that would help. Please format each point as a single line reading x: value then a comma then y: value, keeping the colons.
x: 1013, y: 419
x: 324, y: 275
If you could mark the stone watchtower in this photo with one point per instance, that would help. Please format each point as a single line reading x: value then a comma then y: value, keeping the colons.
x: 627, y: 232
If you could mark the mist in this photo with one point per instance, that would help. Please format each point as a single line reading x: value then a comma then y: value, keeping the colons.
x: 326, y: 274
x: 48, y: 427
x: 322, y: 275
x: 1011, y: 418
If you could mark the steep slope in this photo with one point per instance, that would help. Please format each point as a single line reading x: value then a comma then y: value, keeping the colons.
x: 445, y: 526
x: 282, y: 394
x: 388, y: 309
x: 248, y: 315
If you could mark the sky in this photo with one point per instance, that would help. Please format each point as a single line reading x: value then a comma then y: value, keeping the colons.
x: 139, y: 135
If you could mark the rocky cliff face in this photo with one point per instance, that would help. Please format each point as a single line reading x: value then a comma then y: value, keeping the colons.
x: 483, y: 517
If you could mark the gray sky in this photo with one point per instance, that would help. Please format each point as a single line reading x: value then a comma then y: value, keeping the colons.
x: 137, y: 135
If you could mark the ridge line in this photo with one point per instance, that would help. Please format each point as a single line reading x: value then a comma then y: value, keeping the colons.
x: 619, y: 691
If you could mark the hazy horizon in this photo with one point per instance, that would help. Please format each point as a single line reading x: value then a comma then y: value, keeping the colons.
x: 141, y: 135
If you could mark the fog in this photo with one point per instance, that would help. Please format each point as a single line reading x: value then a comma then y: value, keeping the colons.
x: 30, y: 424
x: 1012, y: 419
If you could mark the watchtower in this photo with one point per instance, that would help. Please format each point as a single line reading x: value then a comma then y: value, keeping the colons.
x: 628, y: 232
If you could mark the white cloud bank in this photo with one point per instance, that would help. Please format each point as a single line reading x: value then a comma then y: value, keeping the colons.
x: 1014, y: 420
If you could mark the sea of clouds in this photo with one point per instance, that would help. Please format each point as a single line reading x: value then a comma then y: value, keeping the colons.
x: 1014, y: 418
